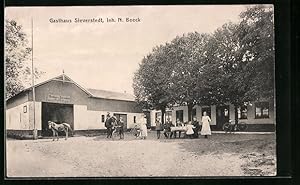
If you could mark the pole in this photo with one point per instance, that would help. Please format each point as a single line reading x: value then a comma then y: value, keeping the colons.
x: 33, y: 88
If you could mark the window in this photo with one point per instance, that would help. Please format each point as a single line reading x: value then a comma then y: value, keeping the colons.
x: 242, y: 112
x: 261, y: 110
x: 102, y: 118
x: 25, y: 109
x: 169, y: 115
x: 207, y: 110
x: 134, y: 119
x: 194, y: 113
x: 158, y: 115
x: 179, y: 115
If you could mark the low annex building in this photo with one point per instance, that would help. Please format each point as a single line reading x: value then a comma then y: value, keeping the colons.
x: 259, y: 116
x: 60, y: 99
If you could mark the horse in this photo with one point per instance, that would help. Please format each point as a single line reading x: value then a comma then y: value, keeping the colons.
x: 63, y: 127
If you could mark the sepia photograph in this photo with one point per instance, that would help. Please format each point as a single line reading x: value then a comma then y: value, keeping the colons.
x: 140, y: 91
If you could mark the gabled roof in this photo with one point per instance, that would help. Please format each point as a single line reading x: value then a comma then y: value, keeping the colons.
x: 62, y: 77
x: 111, y: 95
x: 95, y: 93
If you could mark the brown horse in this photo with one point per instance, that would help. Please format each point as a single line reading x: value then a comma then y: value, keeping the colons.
x: 63, y: 127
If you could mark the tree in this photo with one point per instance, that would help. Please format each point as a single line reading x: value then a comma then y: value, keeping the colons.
x: 17, y: 63
x: 256, y: 31
x: 151, y: 82
x: 233, y: 65
x: 188, y: 57
x: 241, y: 63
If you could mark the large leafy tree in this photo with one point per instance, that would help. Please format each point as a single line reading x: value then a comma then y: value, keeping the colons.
x: 151, y: 82
x: 241, y: 59
x: 188, y: 57
x: 17, y: 59
x: 233, y: 65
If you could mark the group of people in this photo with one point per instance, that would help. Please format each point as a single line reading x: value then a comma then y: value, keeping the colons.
x: 112, y: 125
x: 191, y: 129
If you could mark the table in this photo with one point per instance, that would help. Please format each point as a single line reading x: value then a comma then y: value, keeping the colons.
x: 178, y: 129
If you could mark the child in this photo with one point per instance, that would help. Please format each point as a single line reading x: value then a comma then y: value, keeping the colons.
x: 189, y: 130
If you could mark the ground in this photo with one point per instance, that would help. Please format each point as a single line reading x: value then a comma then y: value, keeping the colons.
x: 96, y: 156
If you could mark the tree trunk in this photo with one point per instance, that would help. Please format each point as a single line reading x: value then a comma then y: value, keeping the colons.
x: 236, y: 115
x: 163, y: 111
x: 190, y: 110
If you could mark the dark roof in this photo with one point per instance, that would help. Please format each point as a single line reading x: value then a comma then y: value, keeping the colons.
x: 111, y: 95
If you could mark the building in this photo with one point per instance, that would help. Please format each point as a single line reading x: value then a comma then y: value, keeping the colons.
x: 60, y: 99
x: 259, y: 116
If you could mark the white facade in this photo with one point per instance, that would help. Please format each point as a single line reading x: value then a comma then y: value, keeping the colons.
x: 213, y: 109
x: 85, y: 119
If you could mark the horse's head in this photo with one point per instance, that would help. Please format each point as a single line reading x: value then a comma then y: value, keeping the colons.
x: 50, y: 124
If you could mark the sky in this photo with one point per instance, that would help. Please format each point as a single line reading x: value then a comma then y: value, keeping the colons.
x: 106, y: 55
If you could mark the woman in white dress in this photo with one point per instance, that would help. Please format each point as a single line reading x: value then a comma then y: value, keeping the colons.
x: 205, y: 125
x: 144, y: 128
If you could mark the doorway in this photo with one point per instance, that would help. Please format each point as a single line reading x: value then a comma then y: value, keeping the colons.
x: 124, y: 116
x: 222, y: 116
x: 58, y: 113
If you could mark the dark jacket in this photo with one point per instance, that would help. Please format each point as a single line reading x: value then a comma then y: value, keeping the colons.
x: 109, y: 122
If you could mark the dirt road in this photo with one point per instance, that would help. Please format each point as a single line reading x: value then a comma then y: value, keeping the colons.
x: 99, y: 157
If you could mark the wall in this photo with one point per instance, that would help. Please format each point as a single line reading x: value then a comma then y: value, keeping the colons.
x: 98, y: 104
x: 85, y: 119
x: 38, y: 114
x: 17, y: 100
x: 78, y: 97
x: 16, y: 119
x: 250, y: 114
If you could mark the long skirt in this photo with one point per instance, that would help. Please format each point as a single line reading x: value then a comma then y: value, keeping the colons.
x: 144, y: 131
x: 205, y: 129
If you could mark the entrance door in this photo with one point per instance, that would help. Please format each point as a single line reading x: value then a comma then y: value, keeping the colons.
x: 58, y: 113
x: 124, y: 116
x: 222, y: 116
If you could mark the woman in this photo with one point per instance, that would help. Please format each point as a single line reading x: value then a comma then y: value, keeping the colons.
x: 144, y: 128
x: 205, y: 125
x: 197, y: 127
x: 158, y: 127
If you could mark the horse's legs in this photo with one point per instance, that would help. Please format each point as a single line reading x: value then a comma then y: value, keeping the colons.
x: 53, y: 135
x: 66, y: 131
x: 57, y: 136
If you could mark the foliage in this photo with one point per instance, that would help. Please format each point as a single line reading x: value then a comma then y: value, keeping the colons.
x: 17, y: 61
x: 234, y: 65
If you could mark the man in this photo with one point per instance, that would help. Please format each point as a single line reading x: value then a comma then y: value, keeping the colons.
x: 196, y: 124
x: 109, y: 124
x: 121, y: 128
x: 167, y: 129
x: 178, y: 124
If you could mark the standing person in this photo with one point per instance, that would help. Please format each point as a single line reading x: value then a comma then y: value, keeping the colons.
x: 158, y: 127
x: 205, y: 125
x: 167, y: 129
x: 196, y: 124
x: 189, y: 130
x: 121, y: 128
x: 144, y: 128
x: 114, y: 125
x: 108, y: 125
x: 178, y: 124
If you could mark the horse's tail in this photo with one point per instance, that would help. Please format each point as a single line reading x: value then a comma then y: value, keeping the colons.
x: 69, y: 127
